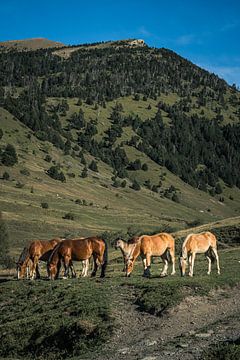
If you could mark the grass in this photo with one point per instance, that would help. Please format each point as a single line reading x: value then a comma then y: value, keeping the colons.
x: 69, y: 318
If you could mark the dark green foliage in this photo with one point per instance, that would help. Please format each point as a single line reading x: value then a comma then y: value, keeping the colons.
x: 1, y: 134
x: 218, y: 189
x: 56, y: 174
x: 135, y: 185
x: 84, y: 173
x: 9, y: 156
x: 69, y: 216
x: 135, y: 165
x: 25, y: 172
x: 144, y: 167
x: 93, y: 166
x: 44, y: 205
x: 123, y: 184
x: 6, y: 176
x: 48, y: 158
x: 175, y: 198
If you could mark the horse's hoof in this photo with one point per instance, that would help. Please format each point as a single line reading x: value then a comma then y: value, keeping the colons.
x: 163, y: 275
x: 64, y: 277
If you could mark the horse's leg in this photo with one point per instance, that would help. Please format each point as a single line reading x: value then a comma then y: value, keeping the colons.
x: 147, y: 265
x: 34, y: 265
x: 86, y: 268
x: 209, y: 263
x: 66, y: 262
x: 125, y: 263
x: 192, y: 264
x: 217, y: 260
x: 165, y: 268
x: 172, y: 255
x: 95, y: 266
x: 73, y: 272
x: 37, y: 272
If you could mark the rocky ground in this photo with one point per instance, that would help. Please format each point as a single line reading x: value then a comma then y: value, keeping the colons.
x: 184, y: 332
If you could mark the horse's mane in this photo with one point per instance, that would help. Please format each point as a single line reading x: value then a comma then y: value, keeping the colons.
x: 133, y: 240
x: 23, y: 256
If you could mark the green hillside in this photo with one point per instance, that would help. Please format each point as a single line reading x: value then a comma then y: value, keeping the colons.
x: 165, y: 143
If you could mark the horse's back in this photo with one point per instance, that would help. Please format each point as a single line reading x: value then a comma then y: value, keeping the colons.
x: 157, y: 243
x: 200, y: 242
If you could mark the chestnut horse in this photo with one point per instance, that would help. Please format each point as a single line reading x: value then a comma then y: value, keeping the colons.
x: 23, y: 264
x: 146, y: 246
x: 202, y: 243
x: 79, y: 250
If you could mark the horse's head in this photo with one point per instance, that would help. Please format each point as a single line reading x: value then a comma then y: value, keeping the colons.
x: 51, y: 270
x: 21, y: 268
x: 118, y: 243
x: 182, y: 265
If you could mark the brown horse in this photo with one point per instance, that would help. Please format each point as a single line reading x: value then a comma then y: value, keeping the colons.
x: 146, y: 246
x: 79, y: 250
x: 23, y: 264
x: 204, y: 243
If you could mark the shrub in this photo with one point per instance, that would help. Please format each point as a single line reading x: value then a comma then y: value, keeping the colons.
x: 25, y: 172
x: 123, y: 184
x: 69, y: 216
x: 84, y: 173
x: 55, y: 174
x: 135, y: 185
x: 93, y: 166
x: 144, y: 167
x: 175, y: 198
x: 44, y: 205
x: 6, y: 176
x: 19, y: 185
x: 9, y: 156
x: 48, y: 158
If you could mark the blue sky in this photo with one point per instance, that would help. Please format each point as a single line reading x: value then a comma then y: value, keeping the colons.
x: 206, y: 32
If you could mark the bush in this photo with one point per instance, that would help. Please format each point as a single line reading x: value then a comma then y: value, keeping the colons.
x: 9, y: 156
x: 19, y: 185
x: 123, y: 184
x: 6, y: 176
x: 175, y: 198
x: 136, y: 186
x: 44, y: 205
x: 55, y: 174
x: 25, y: 172
x: 84, y: 173
x: 93, y: 166
x: 48, y: 158
x: 144, y: 167
x: 69, y: 216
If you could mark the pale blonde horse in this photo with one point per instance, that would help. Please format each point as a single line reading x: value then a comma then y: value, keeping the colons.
x: 202, y: 243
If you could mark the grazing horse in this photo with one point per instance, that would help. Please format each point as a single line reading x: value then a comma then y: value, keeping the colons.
x: 79, y: 250
x: 146, y: 246
x: 204, y: 243
x: 125, y: 249
x: 23, y: 264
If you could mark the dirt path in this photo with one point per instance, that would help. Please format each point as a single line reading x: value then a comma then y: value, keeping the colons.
x: 182, y: 333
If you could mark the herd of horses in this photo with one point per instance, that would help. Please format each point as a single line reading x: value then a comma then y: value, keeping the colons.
x: 58, y: 252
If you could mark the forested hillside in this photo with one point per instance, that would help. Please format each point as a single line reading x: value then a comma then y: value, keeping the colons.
x: 124, y: 111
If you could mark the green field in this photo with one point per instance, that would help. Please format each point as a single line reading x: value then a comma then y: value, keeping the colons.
x: 76, y: 318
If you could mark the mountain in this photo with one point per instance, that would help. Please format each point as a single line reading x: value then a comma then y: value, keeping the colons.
x: 115, y: 136
x: 29, y: 44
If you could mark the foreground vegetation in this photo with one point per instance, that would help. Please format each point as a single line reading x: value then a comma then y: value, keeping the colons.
x: 75, y: 317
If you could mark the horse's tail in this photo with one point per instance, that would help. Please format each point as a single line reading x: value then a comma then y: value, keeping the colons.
x: 105, y: 258
x: 168, y: 256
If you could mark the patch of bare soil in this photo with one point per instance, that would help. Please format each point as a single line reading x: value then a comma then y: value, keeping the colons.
x: 184, y: 332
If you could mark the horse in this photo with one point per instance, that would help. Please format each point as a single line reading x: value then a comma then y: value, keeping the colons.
x: 78, y: 249
x: 125, y: 248
x: 146, y: 246
x: 37, y: 250
x: 204, y: 243
x: 23, y: 264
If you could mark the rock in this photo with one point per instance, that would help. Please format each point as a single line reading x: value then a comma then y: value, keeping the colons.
x: 182, y: 345
x: 149, y: 358
x: 150, y: 342
x: 192, y: 332
x: 124, y: 351
x: 203, y: 335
